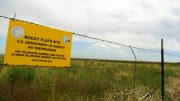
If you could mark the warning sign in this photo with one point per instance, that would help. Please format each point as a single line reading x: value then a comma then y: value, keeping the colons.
x: 30, y: 44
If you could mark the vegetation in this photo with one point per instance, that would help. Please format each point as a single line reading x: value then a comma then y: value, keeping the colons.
x: 87, y: 80
x: 1, y: 59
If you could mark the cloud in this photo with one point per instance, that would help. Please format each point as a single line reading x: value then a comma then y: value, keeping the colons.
x: 100, y: 46
x: 141, y: 23
x: 3, y: 27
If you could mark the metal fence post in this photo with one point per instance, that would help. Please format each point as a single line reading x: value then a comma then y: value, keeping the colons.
x: 135, y: 58
x: 162, y: 70
x: 14, y: 16
x: 53, y: 87
x: 134, y: 71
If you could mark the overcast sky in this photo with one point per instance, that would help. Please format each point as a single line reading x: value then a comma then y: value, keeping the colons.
x: 140, y: 23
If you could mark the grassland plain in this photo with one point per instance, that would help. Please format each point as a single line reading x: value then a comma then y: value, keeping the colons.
x: 88, y: 80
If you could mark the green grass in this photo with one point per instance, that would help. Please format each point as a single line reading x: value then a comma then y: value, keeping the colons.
x: 1, y: 60
x: 93, y: 80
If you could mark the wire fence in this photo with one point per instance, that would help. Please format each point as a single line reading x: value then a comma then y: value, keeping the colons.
x: 134, y: 64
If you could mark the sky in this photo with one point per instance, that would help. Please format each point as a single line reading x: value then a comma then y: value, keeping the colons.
x: 139, y: 23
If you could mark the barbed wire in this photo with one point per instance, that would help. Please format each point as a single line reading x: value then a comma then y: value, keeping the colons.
x: 99, y: 39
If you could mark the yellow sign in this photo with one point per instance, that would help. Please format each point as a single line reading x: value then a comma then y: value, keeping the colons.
x: 30, y: 44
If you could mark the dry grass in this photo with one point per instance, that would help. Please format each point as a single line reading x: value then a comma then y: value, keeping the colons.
x: 130, y: 95
x: 174, y: 88
x: 123, y: 74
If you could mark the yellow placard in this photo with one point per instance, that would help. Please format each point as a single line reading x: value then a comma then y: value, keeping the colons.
x: 31, y: 44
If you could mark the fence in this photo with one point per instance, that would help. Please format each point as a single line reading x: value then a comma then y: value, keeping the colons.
x: 104, y: 68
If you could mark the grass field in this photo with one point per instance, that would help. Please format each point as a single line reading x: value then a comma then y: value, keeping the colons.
x: 88, y: 80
